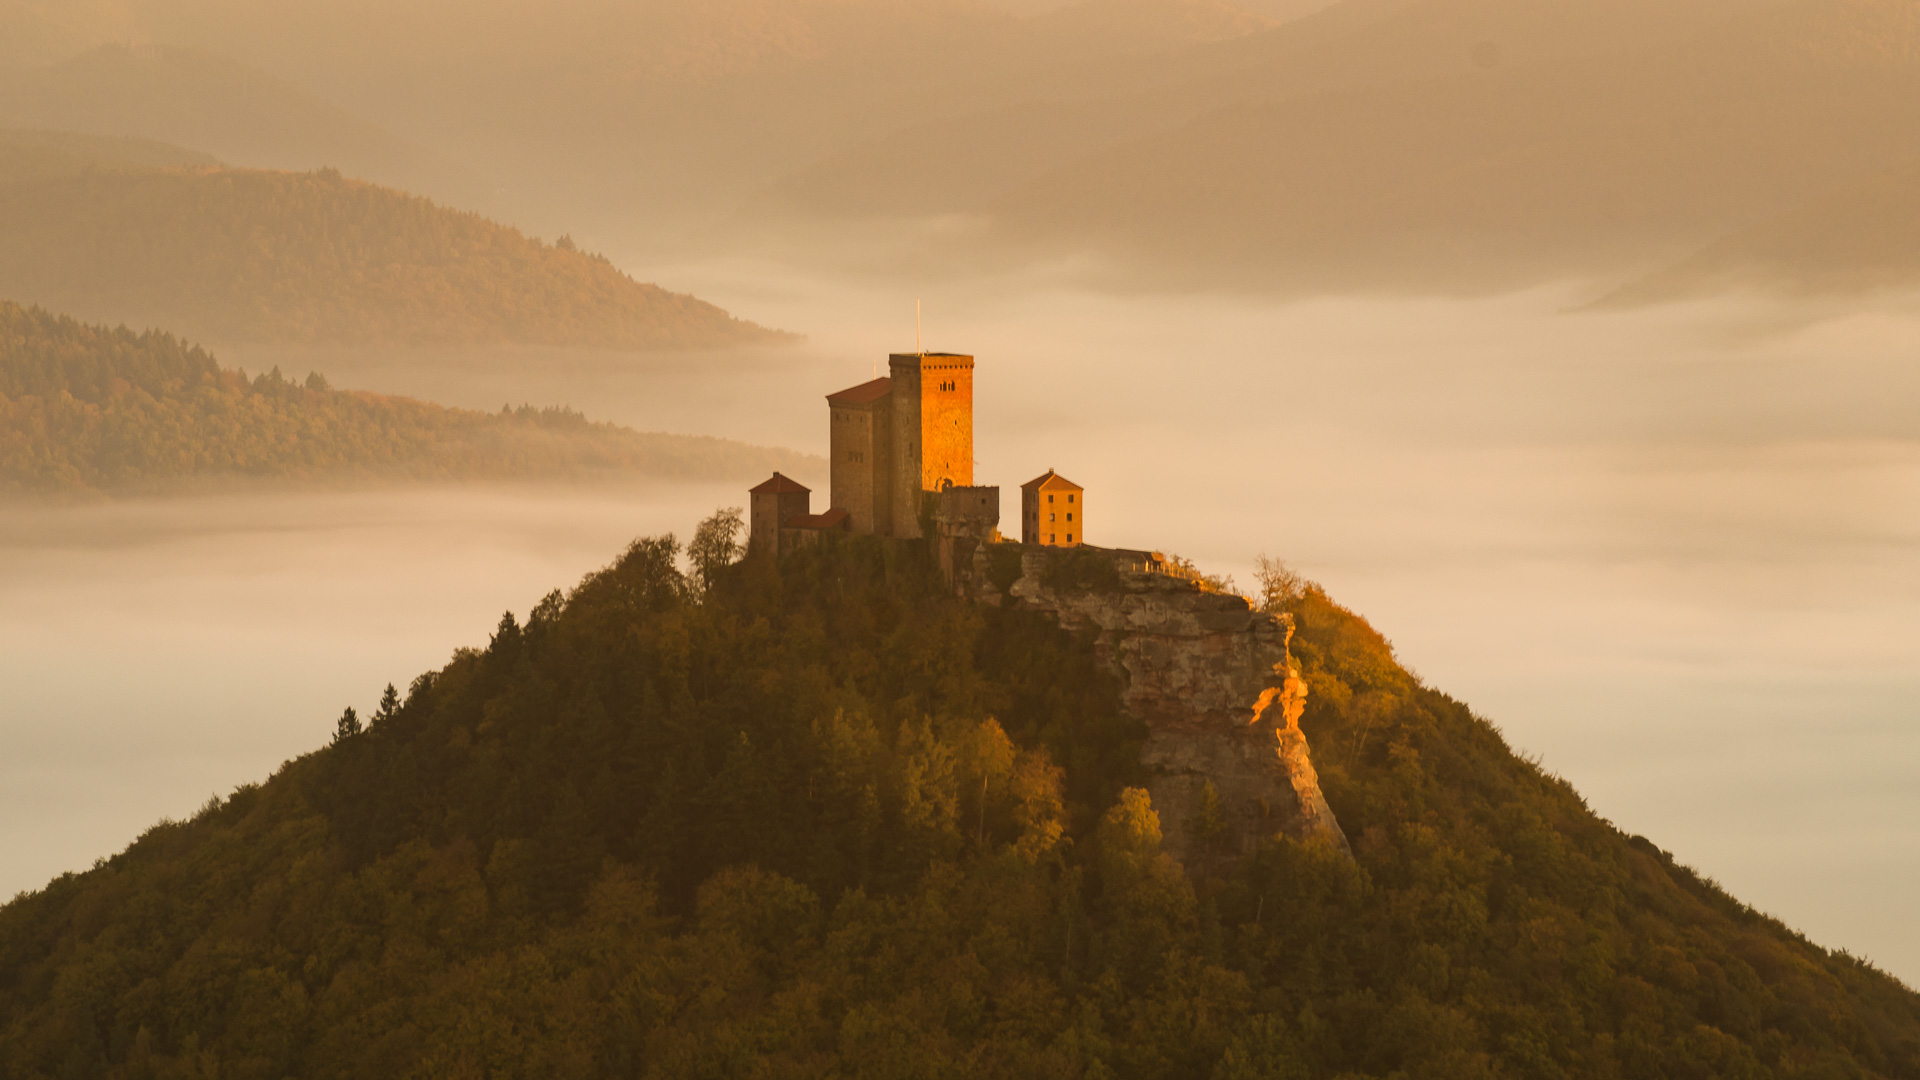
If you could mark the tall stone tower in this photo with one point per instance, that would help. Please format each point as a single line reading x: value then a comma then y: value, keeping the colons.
x: 932, y: 431
x: 861, y: 441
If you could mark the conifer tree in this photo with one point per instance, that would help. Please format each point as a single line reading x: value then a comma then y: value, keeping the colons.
x: 389, y: 706
x: 347, y: 727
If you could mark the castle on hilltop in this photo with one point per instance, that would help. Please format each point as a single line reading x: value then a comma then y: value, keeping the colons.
x: 1211, y: 679
x: 902, y: 466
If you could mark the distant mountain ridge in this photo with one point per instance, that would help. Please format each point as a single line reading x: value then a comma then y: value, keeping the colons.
x: 1860, y: 238
x: 237, y: 255
x: 88, y: 409
x: 1372, y: 145
x: 234, y: 111
x: 27, y: 155
x: 1417, y: 144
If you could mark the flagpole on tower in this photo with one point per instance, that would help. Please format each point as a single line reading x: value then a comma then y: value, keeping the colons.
x: 917, y: 347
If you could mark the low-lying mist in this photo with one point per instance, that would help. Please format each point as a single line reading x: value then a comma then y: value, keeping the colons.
x: 1674, y: 552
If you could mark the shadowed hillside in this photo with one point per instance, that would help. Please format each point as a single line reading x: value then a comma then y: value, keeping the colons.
x: 88, y: 409
x: 237, y: 255
x: 825, y: 818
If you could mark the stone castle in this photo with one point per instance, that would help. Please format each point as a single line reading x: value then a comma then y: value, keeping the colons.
x: 1212, y: 679
x: 901, y: 452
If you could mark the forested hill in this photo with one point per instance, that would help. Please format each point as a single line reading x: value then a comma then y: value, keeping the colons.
x: 825, y: 819
x: 241, y: 255
x: 86, y: 408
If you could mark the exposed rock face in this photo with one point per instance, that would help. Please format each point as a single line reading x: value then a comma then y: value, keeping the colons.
x: 1213, y: 681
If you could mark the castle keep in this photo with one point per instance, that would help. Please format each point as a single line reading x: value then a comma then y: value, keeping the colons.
x: 896, y: 438
x: 901, y: 462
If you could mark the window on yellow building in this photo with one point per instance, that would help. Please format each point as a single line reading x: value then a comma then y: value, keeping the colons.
x: 1069, y: 517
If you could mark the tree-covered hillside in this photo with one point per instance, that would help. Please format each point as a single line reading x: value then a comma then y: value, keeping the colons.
x: 239, y: 255
x: 825, y: 819
x: 86, y: 408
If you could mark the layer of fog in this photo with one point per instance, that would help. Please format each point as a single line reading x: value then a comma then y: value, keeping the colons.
x: 156, y: 652
x: 1673, y: 553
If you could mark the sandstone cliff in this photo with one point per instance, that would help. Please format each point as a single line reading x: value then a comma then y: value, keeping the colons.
x: 1214, y: 683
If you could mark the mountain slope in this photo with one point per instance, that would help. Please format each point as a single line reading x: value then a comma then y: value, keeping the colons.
x: 665, y: 114
x: 1415, y: 144
x: 951, y: 165
x: 1861, y: 238
x: 235, y: 255
x: 88, y: 409
x: 48, y: 155
x: 190, y: 97
x: 1512, y: 174
x: 806, y: 820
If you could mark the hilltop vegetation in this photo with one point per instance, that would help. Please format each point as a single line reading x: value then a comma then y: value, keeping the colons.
x: 825, y: 819
x: 238, y: 255
x: 86, y: 408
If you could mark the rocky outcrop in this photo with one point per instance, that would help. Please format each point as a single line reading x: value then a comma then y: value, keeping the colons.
x: 1214, y: 683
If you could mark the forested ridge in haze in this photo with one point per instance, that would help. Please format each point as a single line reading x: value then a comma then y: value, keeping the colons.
x: 238, y: 255
x: 824, y: 818
x: 87, y: 408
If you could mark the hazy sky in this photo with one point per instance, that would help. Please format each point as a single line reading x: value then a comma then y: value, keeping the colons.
x: 1676, y: 554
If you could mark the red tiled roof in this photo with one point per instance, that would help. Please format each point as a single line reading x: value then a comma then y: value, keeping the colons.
x: 862, y: 394
x: 1053, y: 480
x: 778, y: 485
x: 832, y: 519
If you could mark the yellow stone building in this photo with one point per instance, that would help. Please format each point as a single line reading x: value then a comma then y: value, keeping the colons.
x: 1053, y: 511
